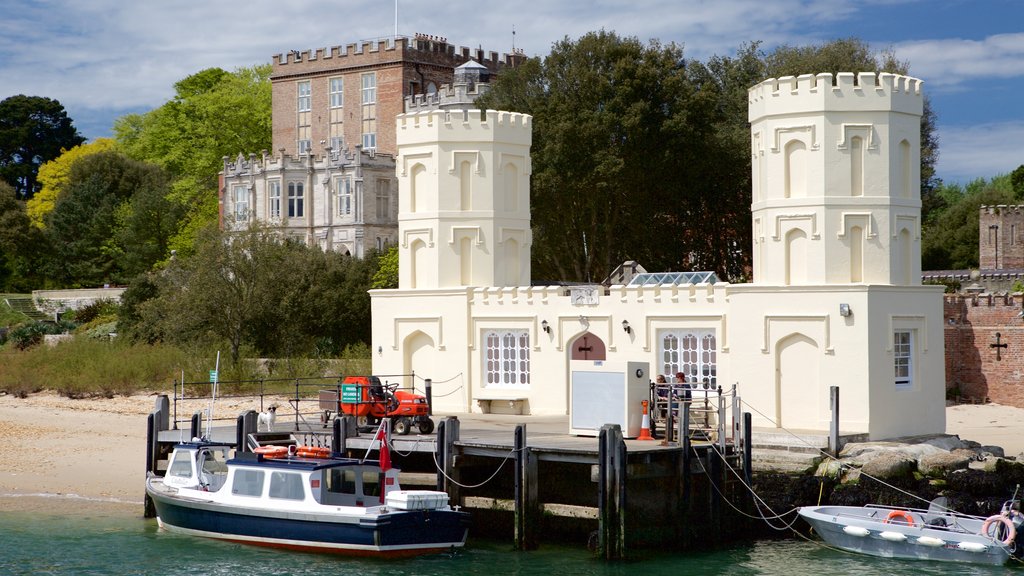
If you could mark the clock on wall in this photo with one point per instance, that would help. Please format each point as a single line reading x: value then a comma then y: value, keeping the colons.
x: 583, y: 295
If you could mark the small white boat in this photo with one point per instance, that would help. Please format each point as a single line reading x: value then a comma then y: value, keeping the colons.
x: 934, y: 534
x: 302, y: 498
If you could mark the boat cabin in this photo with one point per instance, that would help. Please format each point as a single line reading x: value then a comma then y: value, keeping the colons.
x: 199, y: 465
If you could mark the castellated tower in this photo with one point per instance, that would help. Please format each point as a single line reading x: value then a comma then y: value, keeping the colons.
x: 464, y: 199
x: 836, y: 180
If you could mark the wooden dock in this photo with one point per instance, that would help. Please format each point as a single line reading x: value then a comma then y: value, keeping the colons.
x: 528, y: 479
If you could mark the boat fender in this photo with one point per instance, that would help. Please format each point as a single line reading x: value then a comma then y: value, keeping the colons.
x: 856, y: 530
x: 972, y: 546
x: 990, y: 528
x: 902, y: 514
x: 893, y: 536
x: 931, y: 541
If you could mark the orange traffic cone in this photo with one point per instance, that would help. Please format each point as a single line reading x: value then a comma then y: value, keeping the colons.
x: 645, y: 426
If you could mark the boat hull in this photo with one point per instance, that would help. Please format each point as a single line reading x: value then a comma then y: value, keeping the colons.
x: 849, y: 528
x: 398, y: 533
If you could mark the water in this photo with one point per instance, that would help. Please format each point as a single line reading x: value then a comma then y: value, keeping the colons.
x: 100, y: 543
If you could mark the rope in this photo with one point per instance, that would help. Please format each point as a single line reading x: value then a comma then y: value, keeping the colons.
x: 492, y: 477
x: 829, y: 456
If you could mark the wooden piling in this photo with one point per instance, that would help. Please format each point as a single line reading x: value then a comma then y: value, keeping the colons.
x: 748, y: 472
x: 527, y: 503
x: 196, y: 426
x: 450, y: 477
x: 612, y: 492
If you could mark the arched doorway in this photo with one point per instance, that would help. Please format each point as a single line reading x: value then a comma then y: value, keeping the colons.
x: 796, y: 382
x: 587, y: 347
x: 419, y: 358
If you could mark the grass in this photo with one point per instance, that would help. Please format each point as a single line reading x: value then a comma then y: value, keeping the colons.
x: 99, y: 367
x: 9, y: 317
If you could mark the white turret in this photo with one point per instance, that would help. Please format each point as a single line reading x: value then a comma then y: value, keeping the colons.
x: 836, y: 179
x: 464, y: 199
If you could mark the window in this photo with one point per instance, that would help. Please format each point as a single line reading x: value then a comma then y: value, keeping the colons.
x: 295, y: 199
x: 337, y: 143
x: 369, y: 102
x: 305, y: 146
x: 274, y: 198
x: 247, y: 482
x: 337, y: 88
x: 383, y: 200
x: 903, y: 358
x: 344, y: 188
x: 286, y: 486
x: 692, y: 352
x: 341, y: 481
x: 241, y: 202
x: 304, y: 96
x: 507, y: 358
x: 182, y: 465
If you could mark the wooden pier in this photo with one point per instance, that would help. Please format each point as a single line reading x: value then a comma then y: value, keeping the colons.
x: 527, y: 479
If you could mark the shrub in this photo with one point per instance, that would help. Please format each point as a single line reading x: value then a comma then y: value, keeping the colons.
x: 28, y: 335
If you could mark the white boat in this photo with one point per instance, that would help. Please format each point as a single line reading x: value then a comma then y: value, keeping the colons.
x: 934, y: 534
x: 302, y: 498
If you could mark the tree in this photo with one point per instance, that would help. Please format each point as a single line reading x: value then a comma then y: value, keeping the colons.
x: 213, y: 114
x: 1017, y: 181
x: 97, y: 228
x: 33, y: 129
x: 956, y: 246
x: 53, y: 177
x: 20, y: 245
x: 386, y: 275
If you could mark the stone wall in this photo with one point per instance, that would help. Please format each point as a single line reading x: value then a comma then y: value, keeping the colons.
x: 974, y: 369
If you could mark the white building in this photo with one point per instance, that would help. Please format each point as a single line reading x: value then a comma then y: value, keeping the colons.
x: 836, y: 297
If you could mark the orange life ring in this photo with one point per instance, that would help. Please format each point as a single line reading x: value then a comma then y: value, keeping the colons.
x: 313, y: 452
x: 990, y: 526
x: 271, y: 451
x: 900, y: 514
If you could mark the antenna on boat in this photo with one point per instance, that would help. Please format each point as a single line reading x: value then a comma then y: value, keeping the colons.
x: 214, y: 378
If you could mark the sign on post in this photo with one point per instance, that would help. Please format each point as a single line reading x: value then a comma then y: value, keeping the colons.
x: 213, y: 375
x: 350, y: 393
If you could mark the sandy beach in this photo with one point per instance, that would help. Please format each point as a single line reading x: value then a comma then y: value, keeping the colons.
x: 80, y: 455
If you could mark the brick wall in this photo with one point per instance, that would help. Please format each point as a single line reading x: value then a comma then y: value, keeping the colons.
x: 1001, y: 237
x: 972, y: 368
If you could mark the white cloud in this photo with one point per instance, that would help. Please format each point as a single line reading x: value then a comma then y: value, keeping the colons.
x: 966, y: 153
x: 951, y: 62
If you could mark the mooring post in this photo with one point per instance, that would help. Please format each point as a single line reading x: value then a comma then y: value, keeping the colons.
x: 612, y: 486
x: 195, y: 427
x: 833, y: 427
x: 526, y: 501
x: 428, y: 383
x: 715, y: 470
x: 736, y: 419
x: 451, y: 436
x: 748, y: 471
x: 687, y: 457
x: 439, y: 457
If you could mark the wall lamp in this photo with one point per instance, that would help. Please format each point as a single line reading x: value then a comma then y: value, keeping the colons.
x: 844, y: 310
x: 544, y: 326
x: 626, y: 327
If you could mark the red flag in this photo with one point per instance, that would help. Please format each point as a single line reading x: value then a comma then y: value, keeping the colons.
x: 385, y: 454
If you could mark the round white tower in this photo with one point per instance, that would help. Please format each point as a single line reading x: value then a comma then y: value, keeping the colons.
x: 464, y: 199
x: 836, y: 180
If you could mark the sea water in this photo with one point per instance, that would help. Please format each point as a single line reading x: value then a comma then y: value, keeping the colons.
x: 99, y: 543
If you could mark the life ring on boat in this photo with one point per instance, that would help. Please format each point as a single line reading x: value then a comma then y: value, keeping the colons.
x: 900, y: 514
x: 990, y: 529
x: 313, y: 452
x: 271, y: 451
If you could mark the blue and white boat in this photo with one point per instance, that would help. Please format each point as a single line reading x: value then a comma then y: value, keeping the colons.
x: 302, y: 498
x: 934, y: 534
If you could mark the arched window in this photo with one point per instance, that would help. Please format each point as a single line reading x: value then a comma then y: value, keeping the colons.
x: 856, y: 166
x: 417, y: 181
x: 905, y: 171
x: 511, y: 186
x: 692, y: 352
x: 796, y: 257
x: 506, y: 358
x: 856, y: 254
x: 512, y: 264
x: 465, y: 185
x: 796, y: 169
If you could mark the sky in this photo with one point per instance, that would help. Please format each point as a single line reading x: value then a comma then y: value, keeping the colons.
x: 105, y: 58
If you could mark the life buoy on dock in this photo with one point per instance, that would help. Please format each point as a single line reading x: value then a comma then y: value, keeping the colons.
x: 990, y: 528
x: 313, y: 452
x: 902, y: 514
x: 271, y: 451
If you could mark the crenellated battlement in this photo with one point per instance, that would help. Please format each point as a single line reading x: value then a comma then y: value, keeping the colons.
x: 337, y: 159
x: 447, y: 95
x: 353, y: 53
x: 844, y: 91
x: 997, y: 209
x: 436, y: 120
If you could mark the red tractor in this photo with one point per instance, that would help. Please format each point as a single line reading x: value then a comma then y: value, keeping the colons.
x: 370, y: 400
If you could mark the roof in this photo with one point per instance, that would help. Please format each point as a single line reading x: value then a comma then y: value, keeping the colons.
x: 673, y: 278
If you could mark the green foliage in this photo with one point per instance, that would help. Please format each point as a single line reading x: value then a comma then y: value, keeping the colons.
x: 386, y: 275
x: 213, y: 114
x: 31, y: 334
x: 254, y: 294
x: 1017, y: 181
x: 53, y: 178
x: 22, y: 246
x: 93, y: 310
x: 950, y: 241
x: 33, y: 129
x: 90, y: 367
x: 111, y: 222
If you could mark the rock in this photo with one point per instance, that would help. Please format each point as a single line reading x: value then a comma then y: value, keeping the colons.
x: 830, y: 468
x: 939, y: 464
x: 858, y: 453
x: 889, y: 466
x: 994, y: 450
